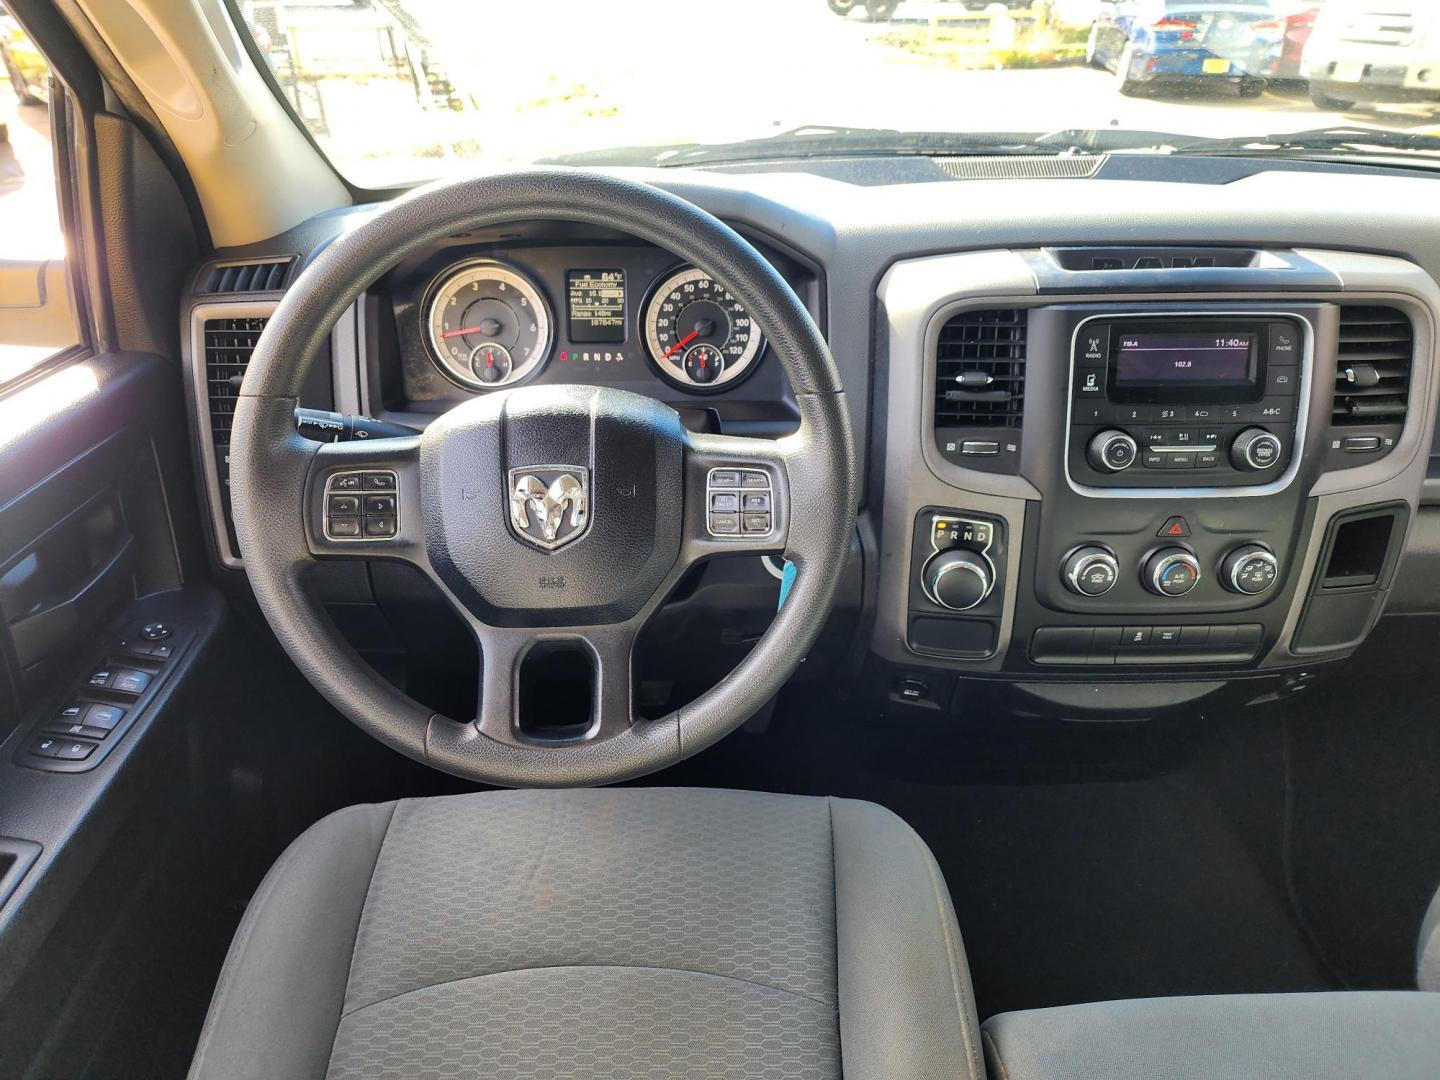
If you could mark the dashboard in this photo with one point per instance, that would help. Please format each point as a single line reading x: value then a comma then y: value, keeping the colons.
x: 1105, y: 444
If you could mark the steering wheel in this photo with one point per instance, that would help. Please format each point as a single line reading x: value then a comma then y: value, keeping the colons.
x: 546, y: 515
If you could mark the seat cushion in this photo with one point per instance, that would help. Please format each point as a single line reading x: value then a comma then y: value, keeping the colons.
x: 1330, y: 1036
x: 610, y: 933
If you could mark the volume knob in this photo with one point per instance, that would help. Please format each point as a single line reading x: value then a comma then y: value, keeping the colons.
x: 1112, y: 451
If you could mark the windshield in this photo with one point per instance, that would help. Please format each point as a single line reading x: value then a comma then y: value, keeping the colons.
x: 397, y: 91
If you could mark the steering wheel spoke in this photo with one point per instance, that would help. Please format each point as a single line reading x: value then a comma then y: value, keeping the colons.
x: 362, y: 499
x: 599, y: 656
x: 737, y: 497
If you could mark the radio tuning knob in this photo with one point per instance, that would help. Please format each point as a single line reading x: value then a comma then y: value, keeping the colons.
x: 1112, y: 451
x: 1255, y: 450
x: 958, y: 579
x: 1249, y: 569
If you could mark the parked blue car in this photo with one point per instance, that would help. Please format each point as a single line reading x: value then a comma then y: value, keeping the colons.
x: 1152, y: 42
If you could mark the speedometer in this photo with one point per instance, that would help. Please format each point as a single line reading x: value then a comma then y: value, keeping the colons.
x: 698, y: 334
x: 488, y: 325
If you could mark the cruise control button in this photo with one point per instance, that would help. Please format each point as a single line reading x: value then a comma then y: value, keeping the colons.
x: 379, y: 481
x: 344, y: 526
x: 754, y: 480
x: 756, y: 502
x: 725, y: 524
x: 381, y: 526
x: 724, y: 478
x: 727, y: 502
x: 757, y: 523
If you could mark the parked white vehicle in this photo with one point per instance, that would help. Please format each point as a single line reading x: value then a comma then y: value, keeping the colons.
x: 1374, y: 50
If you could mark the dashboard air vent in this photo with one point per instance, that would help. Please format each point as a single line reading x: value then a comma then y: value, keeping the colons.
x: 264, y: 275
x: 228, y: 345
x: 1372, y: 379
x: 980, y: 370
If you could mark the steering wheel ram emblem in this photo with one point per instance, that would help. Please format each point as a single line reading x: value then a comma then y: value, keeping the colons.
x: 539, y: 498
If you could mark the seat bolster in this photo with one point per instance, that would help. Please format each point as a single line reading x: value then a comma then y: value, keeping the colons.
x: 1338, y: 1035
x: 1427, y: 957
x: 906, y: 1007
x: 277, y: 1004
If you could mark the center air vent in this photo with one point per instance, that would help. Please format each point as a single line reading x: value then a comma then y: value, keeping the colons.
x: 980, y: 388
x: 262, y: 275
x: 1372, y: 378
x: 228, y: 345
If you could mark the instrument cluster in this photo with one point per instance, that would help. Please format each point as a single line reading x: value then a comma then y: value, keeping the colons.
x: 486, y: 316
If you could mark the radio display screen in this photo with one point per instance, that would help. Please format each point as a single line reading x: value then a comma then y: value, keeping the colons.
x: 1218, y: 358
x: 596, y: 305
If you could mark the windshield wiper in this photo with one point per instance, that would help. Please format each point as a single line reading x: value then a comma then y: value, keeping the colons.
x: 822, y: 141
x: 1327, y: 140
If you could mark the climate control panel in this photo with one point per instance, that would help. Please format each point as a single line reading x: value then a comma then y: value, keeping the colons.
x: 1249, y: 569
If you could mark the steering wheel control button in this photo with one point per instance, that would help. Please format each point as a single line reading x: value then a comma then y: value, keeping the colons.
x: 1091, y: 571
x: 729, y: 492
x: 1171, y: 572
x: 372, y: 513
x: 1250, y: 570
x: 1255, y: 450
x: 958, y: 579
x: 1112, y: 451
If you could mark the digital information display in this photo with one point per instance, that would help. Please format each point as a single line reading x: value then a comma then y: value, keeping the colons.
x: 1215, y: 359
x: 596, y: 305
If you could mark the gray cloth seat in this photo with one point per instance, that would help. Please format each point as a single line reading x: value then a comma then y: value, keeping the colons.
x: 618, y: 933
x: 1327, y: 1036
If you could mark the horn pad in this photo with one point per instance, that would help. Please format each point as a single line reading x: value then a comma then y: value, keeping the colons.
x: 554, y: 505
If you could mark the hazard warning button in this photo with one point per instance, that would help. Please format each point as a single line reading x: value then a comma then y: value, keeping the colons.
x: 1173, y: 527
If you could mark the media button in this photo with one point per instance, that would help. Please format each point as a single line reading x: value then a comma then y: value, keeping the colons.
x: 1089, y: 382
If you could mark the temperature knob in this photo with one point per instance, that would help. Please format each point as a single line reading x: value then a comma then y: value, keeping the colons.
x: 958, y: 579
x: 1250, y: 570
x: 1171, y: 571
x: 1112, y: 451
x: 1091, y: 571
x: 1256, y: 450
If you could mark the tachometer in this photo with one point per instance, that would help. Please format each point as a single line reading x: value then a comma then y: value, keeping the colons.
x: 698, y: 334
x: 488, y: 325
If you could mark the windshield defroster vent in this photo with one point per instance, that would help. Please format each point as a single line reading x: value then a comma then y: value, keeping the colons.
x: 980, y: 388
x: 263, y: 275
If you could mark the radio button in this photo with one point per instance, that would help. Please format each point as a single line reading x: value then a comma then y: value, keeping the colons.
x: 1275, y: 410
x: 1091, y: 411
x: 1093, y: 344
x: 1134, y: 414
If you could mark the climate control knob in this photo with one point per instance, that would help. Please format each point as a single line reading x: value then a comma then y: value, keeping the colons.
x: 1255, y: 450
x: 958, y: 579
x: 1250, y: 569
x: 1171, y: 571
x: 1090, y: 571
x: 1112, y: 451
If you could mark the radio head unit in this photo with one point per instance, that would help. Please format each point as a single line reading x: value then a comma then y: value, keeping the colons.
x: 1157, y: 397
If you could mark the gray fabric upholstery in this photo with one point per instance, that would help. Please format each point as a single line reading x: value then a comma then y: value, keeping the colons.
x: 1331, y: 1036
x: 615, y: 933
x: 1427, y: 953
